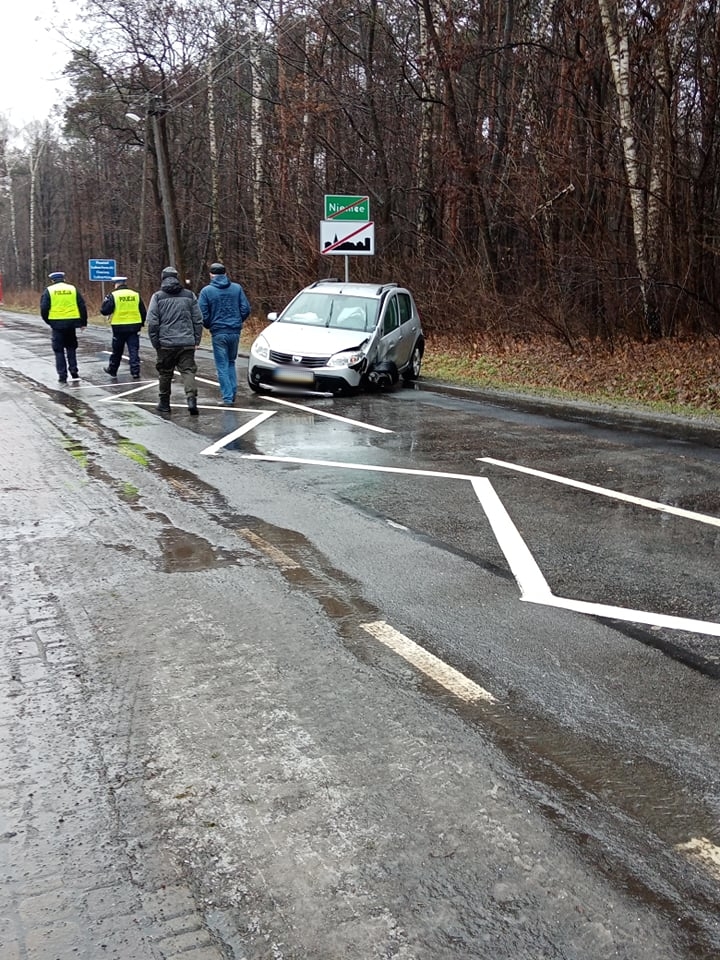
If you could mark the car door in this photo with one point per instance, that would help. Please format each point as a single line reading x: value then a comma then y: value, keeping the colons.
x: 390, y: 332
x: 408, y: 327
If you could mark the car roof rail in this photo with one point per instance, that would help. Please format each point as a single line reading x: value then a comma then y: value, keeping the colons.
x: 325, y: 280
x: 385, y: 286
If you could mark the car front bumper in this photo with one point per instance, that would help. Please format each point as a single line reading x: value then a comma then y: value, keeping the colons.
x: 320, y: 379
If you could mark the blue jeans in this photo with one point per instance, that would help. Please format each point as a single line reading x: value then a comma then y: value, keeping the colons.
x: 225, y: 345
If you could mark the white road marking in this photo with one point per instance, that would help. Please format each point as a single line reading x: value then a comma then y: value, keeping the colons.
x: 533, y: 586
x: 358, y: 466
x: 432, y: 666
x: 117, y: 397
x: 224, y: 441
x: 520, y: 560
x: 629, y: 615
x: 329, y: 416
x: 704, y: 852
x: 604, y: 492
x: 276, y: 555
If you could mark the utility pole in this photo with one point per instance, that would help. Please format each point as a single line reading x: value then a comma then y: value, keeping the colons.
x: 143, y: 196
x: 156, y: 111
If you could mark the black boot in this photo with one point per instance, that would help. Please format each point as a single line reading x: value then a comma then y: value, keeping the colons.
x: 164, y: 404
x: 192, y: 405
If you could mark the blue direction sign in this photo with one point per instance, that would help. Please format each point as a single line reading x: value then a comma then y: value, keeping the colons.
x: 102, y: 269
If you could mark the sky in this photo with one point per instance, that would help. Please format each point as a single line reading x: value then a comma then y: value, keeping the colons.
x: 32, y: 59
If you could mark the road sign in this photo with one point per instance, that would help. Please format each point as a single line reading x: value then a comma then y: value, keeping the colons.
x: 347, y: 207
x: 355, y: 238
x: 102, y: 269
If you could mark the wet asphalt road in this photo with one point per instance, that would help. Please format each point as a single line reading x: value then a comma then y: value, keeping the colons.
x: 372, y: 679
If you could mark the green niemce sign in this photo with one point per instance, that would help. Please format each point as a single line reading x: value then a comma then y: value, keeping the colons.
x: 347, y: 207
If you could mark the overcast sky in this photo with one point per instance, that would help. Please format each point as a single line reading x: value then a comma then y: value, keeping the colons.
x: 32, y: 59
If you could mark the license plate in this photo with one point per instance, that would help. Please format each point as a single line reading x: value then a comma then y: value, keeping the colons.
x: 292, y: 375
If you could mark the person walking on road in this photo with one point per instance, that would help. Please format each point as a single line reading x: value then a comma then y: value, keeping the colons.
x: 175, y: 326
x: 127, y: 314
x: 63, y: 309
x: 224, y: 309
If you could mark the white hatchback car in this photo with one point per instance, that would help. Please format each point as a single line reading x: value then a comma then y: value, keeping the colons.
x: 336, y: 337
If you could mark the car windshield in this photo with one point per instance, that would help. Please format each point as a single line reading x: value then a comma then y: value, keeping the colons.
x: 332, y: 310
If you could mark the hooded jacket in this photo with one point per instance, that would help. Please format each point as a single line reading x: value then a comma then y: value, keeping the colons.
x: 173, y: 316
x: 224, y: 305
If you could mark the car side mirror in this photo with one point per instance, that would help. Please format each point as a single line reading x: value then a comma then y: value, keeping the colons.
x: 272, y: 317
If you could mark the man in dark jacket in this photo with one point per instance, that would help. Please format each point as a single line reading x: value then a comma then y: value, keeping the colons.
x: 174, y: 325
x: 127, y: 313
x: 63, y: 309
x: 224, y: 308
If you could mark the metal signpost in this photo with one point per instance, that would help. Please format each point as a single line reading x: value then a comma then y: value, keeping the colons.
x: 347, y: 228
x: 102, y: 270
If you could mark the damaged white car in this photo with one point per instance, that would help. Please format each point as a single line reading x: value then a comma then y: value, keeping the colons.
x: 336, y: 337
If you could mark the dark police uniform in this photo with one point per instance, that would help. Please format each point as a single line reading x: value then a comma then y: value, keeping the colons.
x: 127, y: 313
x: 63, y: 309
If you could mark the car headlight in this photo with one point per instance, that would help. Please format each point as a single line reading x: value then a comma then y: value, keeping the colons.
x: 261, y: 348
x: 351, y: 358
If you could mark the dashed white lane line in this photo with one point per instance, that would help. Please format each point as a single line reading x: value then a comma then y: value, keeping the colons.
x: 432, y: 666
x: 228, y: 438
x: 329, y: 416
x: 276, y: 555
x: 703, y: 852
x: 604, y: 492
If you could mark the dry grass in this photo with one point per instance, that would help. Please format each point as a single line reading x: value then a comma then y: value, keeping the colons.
x: 671, y: 374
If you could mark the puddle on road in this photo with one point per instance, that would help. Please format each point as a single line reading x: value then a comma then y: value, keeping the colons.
x: 181, y: 550
x: 185, y: 552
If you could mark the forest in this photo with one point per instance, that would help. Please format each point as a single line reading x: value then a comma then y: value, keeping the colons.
x: 533, y: 167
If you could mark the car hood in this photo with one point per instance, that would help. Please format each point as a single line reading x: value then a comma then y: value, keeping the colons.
x: 321, y: 341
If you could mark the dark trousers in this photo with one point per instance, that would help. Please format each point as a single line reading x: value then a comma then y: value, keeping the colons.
x: 64, y: 344
x: 182, y: 358
x: 122, y: 335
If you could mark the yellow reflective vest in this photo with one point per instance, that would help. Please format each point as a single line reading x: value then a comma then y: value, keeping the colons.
x: 127, y: 307
x: 63, y: 302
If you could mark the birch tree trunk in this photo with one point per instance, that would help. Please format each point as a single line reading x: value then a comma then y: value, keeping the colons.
x: 214, y: 172
x: 616, y: 40
x: 257, y: 146
x: 34, y: 161
x: 428, y: 77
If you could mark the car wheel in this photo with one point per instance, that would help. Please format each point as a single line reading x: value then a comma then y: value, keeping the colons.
x: 413, y: 369
x: 254, y: 387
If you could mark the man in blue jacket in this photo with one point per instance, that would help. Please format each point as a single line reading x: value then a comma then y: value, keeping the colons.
x: 224, y: 308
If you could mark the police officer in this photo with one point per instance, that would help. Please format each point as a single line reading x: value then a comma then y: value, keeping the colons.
x: 63, y: 309
x: 127, y: 313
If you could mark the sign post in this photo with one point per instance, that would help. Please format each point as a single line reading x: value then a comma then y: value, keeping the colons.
x: 102, y: 270
x: 347, y: 228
